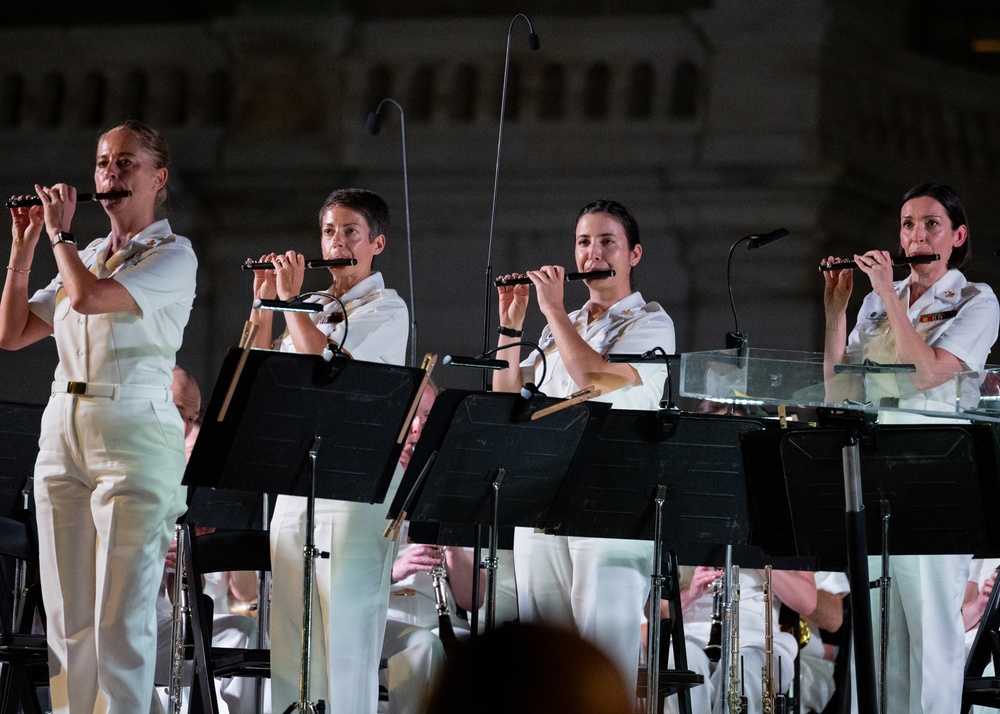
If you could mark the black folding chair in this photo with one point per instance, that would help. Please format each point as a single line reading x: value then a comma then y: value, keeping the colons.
x: 213, y: 553
x: 23, y: 654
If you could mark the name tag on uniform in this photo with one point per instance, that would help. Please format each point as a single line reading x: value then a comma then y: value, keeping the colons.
x: 938, y: 316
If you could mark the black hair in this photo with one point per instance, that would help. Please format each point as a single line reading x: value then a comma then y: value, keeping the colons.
x: 368, y: 203
x: 625, y: 219
x: 944, y: 194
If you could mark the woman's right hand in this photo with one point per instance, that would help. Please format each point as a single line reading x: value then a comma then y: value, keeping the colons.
x: 26, y: 225
x: 513, y: 303
x: 263, y: 280
x: 838, y: 285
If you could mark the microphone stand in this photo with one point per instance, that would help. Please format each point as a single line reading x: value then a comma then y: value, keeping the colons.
x: 737, y: 340
x: 534, y: 44
x: 374, y: 127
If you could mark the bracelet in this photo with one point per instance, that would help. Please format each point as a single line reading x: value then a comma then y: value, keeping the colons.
x: 509, y: 331
x: 18, y: 270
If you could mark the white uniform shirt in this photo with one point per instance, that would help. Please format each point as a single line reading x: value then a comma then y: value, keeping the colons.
x: 630, y: 326
x: 158, y: 269
x: 377, y: 322
x: 954, y: 315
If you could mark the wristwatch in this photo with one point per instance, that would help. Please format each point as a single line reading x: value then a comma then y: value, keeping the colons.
x: 64, y: 237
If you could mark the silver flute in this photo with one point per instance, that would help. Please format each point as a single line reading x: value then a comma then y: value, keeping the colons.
x: 734, y: 698
x: 178, y: 632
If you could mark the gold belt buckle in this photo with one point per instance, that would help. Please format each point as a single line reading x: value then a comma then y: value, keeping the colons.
x: 76, y: 388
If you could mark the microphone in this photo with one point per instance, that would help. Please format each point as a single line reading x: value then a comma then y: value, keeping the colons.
x: 296, y: 304
x: 374, y: 126
x: 534, y: 43
x: 80, y: 198
x: 654, y: 355
x: 736, y: 339
x: 762, y: 240
x: 477, y: 361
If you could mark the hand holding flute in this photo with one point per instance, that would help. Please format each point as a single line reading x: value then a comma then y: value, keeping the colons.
x: 25, y: 201
x: 525, y: 280
x: 838, y: 264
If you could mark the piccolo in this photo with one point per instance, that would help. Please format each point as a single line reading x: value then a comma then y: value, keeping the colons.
x: 591, y: 275
x: 80, y: 198
x: 334, y: 263
x: 897, y: 260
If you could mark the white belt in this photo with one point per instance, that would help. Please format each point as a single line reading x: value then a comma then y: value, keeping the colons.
x: 112, y: 391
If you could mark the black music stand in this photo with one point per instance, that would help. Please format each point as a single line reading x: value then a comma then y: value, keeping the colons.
x: 300, y: 425
x: 20, y: 426
x: 472, y: 441
x: 938, y: 480
x: 699, y: 465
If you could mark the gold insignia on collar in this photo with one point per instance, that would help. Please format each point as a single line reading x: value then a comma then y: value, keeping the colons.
x: 626, y: 313
x: 949, y: 293
x: 150, y: 242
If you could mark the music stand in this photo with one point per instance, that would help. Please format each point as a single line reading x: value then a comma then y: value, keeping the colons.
x: 937, y: 479
x: 473, y: 439
x: 20, y: 426
x: 699, y: 465
x: 296, y: 424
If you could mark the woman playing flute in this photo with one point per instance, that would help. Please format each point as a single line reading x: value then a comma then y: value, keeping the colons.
x: 596, y: 586
x: 940, y: 323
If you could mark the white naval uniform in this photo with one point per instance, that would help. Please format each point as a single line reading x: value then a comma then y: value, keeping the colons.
x: 816, y: 681
x: 979, y: 572
x: 108, y: 476
x: 926, y: 648
x: 595, y: 586
x: 697, y: 630
x: 412, y: 648
x: 352, y: 587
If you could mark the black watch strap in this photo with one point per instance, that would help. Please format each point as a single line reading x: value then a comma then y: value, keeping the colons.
x: 509, y: 331
x: 64, y: 237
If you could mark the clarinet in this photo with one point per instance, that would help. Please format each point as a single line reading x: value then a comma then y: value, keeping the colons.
x: 713, y: 650
x: 178, y: 633
x: 737, y: 702
x: 446, y: 632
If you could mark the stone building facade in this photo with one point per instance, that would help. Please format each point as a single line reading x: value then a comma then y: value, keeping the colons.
x: 711, y: 122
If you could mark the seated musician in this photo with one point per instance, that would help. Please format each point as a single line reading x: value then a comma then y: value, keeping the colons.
x: 797, y: 589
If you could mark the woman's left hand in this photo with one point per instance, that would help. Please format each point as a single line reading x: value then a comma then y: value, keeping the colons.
x: 289, y: 274
x: 59, y: 205
x: 548, y: 281
x: 877, y: 265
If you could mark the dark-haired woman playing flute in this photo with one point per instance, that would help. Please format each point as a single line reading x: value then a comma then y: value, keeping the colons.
x: 941, y: 323
x: 595, y: 586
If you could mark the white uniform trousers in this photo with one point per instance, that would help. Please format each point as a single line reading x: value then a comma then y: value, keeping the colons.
x: 415, y: 655
x: 350, y: 601
x: 108, y: 491
x: 595, y: 586
x: 926, y: 657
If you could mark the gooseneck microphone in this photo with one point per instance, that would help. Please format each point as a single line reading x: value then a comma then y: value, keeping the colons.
x: 534, y: 43
x: 374, y: 126
x: 736, y: 339
x: 80, y: 198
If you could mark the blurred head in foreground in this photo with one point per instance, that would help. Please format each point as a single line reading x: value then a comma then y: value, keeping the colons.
x: 539, y: 669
